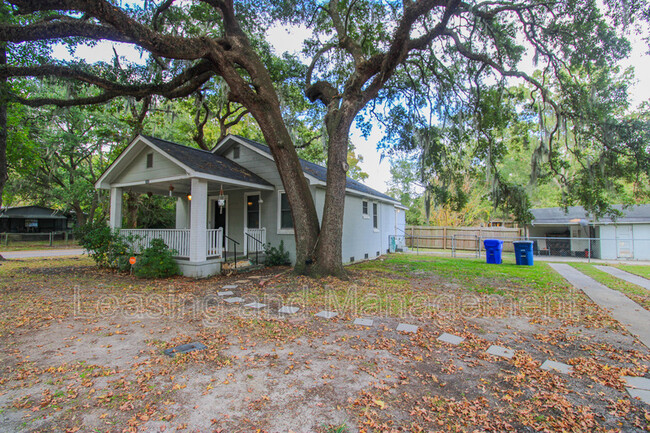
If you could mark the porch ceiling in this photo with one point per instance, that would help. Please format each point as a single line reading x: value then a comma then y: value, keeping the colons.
x: 182, y: 187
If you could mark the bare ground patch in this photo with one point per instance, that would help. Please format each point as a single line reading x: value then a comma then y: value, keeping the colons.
x: 94, y: 362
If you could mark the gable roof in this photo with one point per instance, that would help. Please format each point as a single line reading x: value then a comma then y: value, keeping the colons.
x: 194, y: 162
x: 31, y: 212
x: 205, y: 162
x: 316, y: 171
x: 577, y: 214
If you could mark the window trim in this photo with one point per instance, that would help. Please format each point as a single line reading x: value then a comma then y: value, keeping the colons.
x: 246, y: 195
x: 282, y: 231
x: 366, y: 214
x: 375, y: 217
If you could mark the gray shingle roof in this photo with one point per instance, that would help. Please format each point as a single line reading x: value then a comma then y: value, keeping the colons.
x: 206, y: 162
x: 556, y: 215
x: 320, y: 172
x: 33, y: 211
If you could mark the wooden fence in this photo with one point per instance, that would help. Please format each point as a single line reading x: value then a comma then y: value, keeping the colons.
x: 465, y: 238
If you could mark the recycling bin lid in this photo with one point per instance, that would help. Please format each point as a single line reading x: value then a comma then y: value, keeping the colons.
x: 523, y: 242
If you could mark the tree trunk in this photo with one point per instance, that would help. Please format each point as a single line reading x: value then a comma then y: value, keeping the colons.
x: 81, y: 218
x: 3, y: 125
x: 303, y: 210
x: 132, y: 204
x: 329, y: 259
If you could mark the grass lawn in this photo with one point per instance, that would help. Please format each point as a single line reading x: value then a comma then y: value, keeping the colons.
x: 82, y: 350
x: 35, y: 245
x: 637, y: 293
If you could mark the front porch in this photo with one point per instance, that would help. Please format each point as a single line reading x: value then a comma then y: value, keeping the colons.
x: 218, y: 202
x: 179, y: 241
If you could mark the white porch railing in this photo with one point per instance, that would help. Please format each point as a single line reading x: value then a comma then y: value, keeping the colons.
x: 214, y: 243
x: 255, y: 240
x: 175, y: 239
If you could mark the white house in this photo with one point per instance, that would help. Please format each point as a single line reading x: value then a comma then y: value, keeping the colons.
x: 626, y: 237
x: 232, y: 198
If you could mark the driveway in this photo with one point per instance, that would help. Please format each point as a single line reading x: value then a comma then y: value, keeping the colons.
x: 42, y: 253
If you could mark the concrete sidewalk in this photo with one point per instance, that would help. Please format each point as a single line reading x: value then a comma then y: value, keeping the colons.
x: 623, y: 275
x: 43, y: 253
x: 628, y: 313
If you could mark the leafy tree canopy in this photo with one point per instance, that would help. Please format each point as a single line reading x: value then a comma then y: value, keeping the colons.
x: 439, y: 67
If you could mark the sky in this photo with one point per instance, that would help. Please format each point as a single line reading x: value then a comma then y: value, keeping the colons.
x: 378, y: 168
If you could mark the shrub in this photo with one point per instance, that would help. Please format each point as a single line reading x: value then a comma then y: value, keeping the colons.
x: 276, y: 256
x: 106, y: 247
x: 156, y: 261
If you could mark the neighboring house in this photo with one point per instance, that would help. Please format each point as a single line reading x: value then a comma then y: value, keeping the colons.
x: 232, y: 197
x: 33, y: 219
x: 628, y: 237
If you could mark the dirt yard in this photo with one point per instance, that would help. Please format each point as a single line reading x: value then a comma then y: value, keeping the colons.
x: 82, y: 350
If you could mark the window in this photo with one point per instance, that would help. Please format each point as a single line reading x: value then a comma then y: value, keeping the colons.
x: 375, y: 216
x: 285, y: 219
x: 235, y: 152
x: 364, y: 209
x: 149, y: 160
x: 31, y: 223
x: 253, y: 211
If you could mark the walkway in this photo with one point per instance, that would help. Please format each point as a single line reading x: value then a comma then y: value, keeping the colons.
x: 630, y: 278
x: 43, y: 253
x: 631, y: 315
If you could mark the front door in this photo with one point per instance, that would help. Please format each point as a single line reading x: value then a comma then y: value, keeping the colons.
x: 624, y: 241
x: 220, y: 219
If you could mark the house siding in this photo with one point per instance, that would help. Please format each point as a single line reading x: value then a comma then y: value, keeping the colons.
x: 359, y: 236
x: 137, y: 170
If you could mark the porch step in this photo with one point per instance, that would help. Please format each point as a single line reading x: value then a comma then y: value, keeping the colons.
x: 243, y: 265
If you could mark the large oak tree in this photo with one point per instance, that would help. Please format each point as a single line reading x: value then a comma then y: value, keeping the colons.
x: 359, y: 54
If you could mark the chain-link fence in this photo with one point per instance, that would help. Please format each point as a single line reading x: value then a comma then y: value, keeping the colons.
x: 49, y: 239
x: 459, y: 245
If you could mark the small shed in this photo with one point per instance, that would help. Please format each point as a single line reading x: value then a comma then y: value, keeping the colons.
x: 574, y: 231
x: 32, y: 219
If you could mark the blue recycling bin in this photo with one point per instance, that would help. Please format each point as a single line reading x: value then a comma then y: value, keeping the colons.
x: 524, y: 253
x: 493, y: 249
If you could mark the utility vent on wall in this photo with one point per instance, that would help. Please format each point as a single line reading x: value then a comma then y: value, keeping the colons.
x: 352, y: 259
x: 377, y: 253
x: 365, y: 256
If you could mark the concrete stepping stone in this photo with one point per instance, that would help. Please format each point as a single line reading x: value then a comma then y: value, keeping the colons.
x: 255, y: 305
x: 230, y: 286
x: 637, y: 382
x: 560, y: 367
x: 642, y: 394
x: 184, y: 348
x: 363, y: 322
x: 226, y: 293
x: 242, y: 281
x: 327, y: 314
x: 234, y: 300
x: 288, y: 310
x: 405, y: 327
x: 502, y: 352
x: 451, y: 339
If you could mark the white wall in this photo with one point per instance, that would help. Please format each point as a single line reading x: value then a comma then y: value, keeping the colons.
x: 359, y: 236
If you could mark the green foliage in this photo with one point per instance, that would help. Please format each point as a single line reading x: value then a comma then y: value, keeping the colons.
x: 276, y: 256
x: 156, y: 261
x: 105, y: 246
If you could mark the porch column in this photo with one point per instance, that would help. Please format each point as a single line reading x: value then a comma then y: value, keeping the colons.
x: 115, y: 220
x: 182, y: 213
x: 198, y: 220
